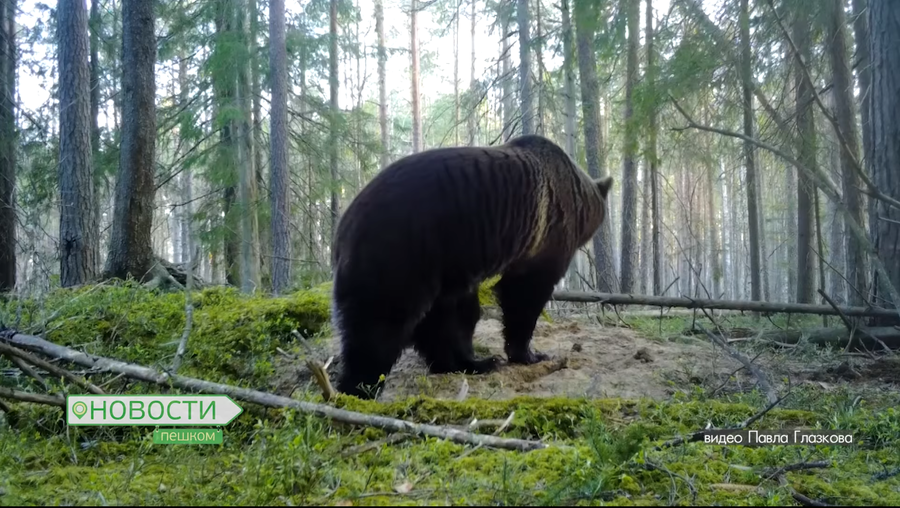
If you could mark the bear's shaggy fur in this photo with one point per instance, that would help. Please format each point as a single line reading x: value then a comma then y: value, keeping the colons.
x: 413, y: 246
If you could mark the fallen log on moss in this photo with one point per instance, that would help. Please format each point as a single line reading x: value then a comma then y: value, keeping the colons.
x: 138, y: 372
x: 746, y: 306
x: 862, y: 337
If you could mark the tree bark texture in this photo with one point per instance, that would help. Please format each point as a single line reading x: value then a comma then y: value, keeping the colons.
x: 78, y: 229
x: 652, y: 162
x: 525, y: 88
x: 333, y: 135
x: 864, y: 80
x: 857, y: 271
x: 382, y: 84
x: 884, y: 150
x: 246, y: 174
x: 130, y: 247
x: 278, y: 181
x: 414, y: 78
x: 8, y: 146
x: 585, y: 23
x: 629, y: 172
x: 806, y: 153
x: 471, y: 123
x: 750, y: 154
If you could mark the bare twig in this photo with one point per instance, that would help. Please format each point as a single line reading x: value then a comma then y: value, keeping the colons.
x: 24, y: 367
x: 146, y: 374
x: 37, y: 398
x: 49, y: 367
x: 316, y: 368
x: 760, y: 377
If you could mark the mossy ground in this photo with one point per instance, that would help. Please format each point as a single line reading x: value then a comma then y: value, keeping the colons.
x: 599, y: 448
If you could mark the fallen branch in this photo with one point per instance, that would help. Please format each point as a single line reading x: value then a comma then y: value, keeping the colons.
x: 690, y: 303
x: 800, y: 498
x: 698, y: 435
x: 25, y: 368
x: 867, y: 338
x: 850, y: 326
x: 760, y: 377
x: 146, y: 374
x: 37, y: 398
x: 49, y: 367
x: 318, y: 371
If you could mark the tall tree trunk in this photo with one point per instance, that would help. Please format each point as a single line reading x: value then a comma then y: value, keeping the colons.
x: 508, y: 129
x: 715, y: 266
x: 884, y: 152
x: 864, y: 80
x: 278, y: 187
x: 187, y: 254
x: 130, y: 245
x: 333, y: 135
x: 95, y: 26
x: 646, y: 228
x: 569, y: 94
x: 585, y: 21
x: 525, y: 97
x: 78, y: 228
x: 382, y: 84
x: 539, y: 81
x: 470, y: 124
x: 750, y: 154
x: 652, y: 161
x: 842, y: 92
x: 246, y: 173
x: 263, y: 226
x: 8, y: 146
x: 629, y: 174
x: 414, y: 77
x: 456, y: 76
x: 569, y: 76
x: 806, y: 240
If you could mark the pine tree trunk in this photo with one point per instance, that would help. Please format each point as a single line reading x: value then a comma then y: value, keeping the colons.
x: 246, y: 173
x: 525, y: 97
x: 333, y: 134
x: 471, y: 123
x: 8, y: 146
x: 278, y: 187
x: 629, y: 174
x: 78, y: 228
x: 884, y: 152
x: 652, y: 161
x: 130, y: 245
x: 750, y: 155
x: 186, y: 215
x: 844, y: 109
x: 590, y: 93
x: 569, y: 76
x: 382, y: 84
x: 864, y: 80
x: 263, y: 221
x: 806, y: 150
x: 456, y: 76
x: 508, y: 129
x: 414, y: 77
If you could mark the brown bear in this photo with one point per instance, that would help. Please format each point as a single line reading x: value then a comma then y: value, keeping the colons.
x: 412, y: 248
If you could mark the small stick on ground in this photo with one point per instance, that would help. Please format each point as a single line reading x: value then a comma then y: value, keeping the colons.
x: 800, y: 498
x: 328, y: 391
x: 49, y: 367
x: 397, y: 437
x: 24, y: 367
x: 698, y: 435
x: 37, y: 398
x: 850, y: 326
x: 768, y: 474
x: 771, y: 394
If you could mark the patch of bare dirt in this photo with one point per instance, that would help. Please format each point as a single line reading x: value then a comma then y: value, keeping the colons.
x: 587, y: 360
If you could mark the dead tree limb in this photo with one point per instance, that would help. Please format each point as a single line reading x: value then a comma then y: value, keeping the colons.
x: 758, y: 374
x: 146, y: 374
x: 37, y: 398
x: 738, y: 305
x: 49, y: 367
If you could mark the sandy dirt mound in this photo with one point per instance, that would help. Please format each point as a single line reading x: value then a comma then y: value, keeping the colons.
x: 587, y: 360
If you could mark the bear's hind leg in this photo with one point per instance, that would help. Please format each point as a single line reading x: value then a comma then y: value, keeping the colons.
x: 522, y: 295
x: 444, y: 336
x: 468, y: 311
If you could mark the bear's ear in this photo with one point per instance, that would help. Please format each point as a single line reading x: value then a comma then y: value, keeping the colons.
x: 604, y: 184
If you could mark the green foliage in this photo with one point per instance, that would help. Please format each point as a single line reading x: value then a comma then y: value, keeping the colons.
x: 233, y: 336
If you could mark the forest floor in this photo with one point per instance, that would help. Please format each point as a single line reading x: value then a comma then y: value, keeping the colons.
x: 597, y: 361
x: 626, y: 387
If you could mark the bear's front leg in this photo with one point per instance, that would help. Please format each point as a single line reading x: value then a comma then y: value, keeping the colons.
x: 522, y: 296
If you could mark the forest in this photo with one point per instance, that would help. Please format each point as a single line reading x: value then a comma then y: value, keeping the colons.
x: 172, y: 174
